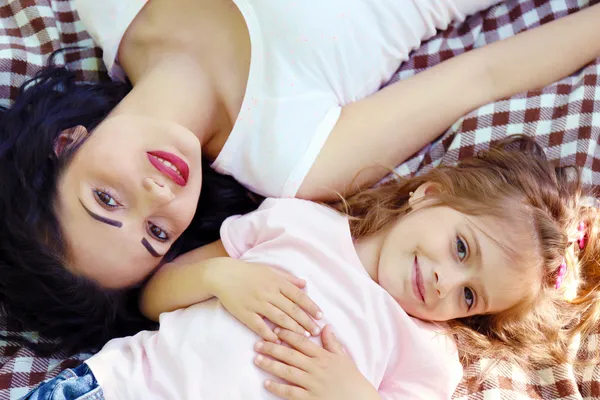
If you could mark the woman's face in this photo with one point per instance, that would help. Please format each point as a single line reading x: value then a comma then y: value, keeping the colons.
x: 130, y: 191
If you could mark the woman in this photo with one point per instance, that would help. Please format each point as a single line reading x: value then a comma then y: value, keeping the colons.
x: 282, y: 97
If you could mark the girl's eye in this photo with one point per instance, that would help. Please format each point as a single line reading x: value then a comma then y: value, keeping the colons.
x: 157, y: 232
x: 461, y: 249
x: 106, y: 199
x: 469, y: 297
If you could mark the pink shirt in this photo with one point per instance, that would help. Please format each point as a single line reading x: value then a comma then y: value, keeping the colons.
x: 204, y: 353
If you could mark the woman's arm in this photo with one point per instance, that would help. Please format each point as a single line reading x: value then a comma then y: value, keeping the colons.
x: 378, y: 133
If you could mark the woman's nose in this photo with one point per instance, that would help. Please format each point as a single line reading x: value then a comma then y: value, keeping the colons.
x: 158, y: 193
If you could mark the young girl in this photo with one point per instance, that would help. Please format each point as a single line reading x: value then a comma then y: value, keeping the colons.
x: 489, y: 248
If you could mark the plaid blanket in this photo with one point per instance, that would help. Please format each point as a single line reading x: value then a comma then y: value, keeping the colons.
x: 564, y: 118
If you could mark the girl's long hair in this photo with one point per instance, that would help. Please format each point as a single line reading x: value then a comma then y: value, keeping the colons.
x: 514, y: 182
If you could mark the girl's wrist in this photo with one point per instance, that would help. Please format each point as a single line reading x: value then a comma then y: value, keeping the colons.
x: 214, y: 274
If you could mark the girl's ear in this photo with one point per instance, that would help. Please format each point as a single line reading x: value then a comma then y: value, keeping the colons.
x: 426, y: 189
x: 68, y: 138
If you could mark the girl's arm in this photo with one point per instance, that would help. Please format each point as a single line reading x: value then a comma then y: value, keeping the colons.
x: 248, y: 291
x: 188, y: 280
x: 383, y: 130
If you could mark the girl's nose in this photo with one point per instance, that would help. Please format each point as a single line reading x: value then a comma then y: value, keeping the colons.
x: 447, y: 280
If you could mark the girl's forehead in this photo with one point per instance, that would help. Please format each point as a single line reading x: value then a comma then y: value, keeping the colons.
x: 508, y: 267
x: 514, y: 235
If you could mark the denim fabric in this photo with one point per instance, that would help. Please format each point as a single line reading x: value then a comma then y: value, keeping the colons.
x: 72, y: 384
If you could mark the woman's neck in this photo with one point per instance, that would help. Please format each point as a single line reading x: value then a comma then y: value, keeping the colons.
x: 188, y: 61
x: 178, y: 90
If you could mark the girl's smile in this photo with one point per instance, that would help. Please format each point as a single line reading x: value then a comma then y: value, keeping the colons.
x: 417, y: 279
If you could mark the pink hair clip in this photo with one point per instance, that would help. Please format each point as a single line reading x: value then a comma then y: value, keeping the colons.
x: 582, y: 235
x: 581, y: 241
x: 560, y: 276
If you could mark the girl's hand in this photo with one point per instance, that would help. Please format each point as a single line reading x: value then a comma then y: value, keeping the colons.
x: 312, y: 372
x: 251, y: 292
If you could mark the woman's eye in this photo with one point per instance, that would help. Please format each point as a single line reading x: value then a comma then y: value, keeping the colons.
x: 105, y: 199
x: 461, y: 249
x: 157, y: 232
x: 469, y: 297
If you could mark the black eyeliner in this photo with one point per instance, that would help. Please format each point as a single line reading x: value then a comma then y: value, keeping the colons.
x: 150, y: 249
x: 100, y: 218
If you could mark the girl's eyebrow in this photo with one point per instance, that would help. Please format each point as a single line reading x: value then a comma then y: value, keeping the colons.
x: 100, y: 218
x: 477, y: 251
x: 484, y: 297
x: 478, y: 259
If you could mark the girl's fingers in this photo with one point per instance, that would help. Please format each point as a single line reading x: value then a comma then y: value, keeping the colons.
x: 300, y: 283
x: 299, y: 315
x: 299, y: 342
x: 274, y: 314
x: 287, y: 392
x: 290, y: 374
x: 284, y: 354
x: 300, y: 298
x: 331, y: 342
x: 258, y: 325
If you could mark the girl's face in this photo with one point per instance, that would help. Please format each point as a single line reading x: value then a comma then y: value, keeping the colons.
x: 440, y: 264
x: 130, y: 191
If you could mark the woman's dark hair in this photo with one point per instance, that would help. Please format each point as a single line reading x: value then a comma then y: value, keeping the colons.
x: 36, y: 290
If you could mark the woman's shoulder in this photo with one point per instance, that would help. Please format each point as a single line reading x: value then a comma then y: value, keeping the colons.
x: 107, y: 21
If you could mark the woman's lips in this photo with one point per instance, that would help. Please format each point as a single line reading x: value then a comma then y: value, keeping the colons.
x: 417, y: 281
x: 170, y: 165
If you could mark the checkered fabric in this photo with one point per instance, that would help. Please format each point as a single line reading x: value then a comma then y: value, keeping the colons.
x: 564, y: 117
x: 21, y: 369
x: 32, y: 29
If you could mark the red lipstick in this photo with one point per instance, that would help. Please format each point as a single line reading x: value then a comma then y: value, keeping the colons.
x: 175, y: 168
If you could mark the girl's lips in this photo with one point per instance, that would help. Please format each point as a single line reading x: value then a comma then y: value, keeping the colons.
x: 180, y: 177
x: 417, y: 281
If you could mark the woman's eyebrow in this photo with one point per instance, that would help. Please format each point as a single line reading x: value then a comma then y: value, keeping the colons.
x: 119, y: 224
x: 100, y: 218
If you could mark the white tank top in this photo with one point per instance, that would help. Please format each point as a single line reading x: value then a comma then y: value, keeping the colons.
x: 309, y: 59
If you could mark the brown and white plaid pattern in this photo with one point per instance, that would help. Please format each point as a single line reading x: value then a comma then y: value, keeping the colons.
x: 32, y: 29
x: 564, y: 117
x: 21, y: 369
